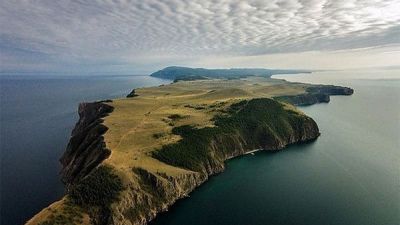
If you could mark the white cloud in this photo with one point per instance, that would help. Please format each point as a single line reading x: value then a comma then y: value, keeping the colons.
x: 372, y: 57
x: 129, y: 31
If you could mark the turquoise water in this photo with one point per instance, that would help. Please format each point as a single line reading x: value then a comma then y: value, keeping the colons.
x: 37, y: 114
x: 349, y: 176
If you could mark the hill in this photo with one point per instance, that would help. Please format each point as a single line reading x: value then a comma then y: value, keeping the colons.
x: 185, y: 73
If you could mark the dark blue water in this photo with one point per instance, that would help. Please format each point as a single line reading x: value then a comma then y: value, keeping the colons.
x: 37, y: 116
x: 349, y: 176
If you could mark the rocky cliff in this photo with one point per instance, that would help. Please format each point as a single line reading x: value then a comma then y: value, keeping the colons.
x: 86, y: 148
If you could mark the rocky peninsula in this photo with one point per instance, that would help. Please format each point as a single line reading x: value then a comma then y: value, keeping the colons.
x: 129, y: 159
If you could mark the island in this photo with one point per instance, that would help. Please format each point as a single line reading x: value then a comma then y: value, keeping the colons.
x: 131, y: 158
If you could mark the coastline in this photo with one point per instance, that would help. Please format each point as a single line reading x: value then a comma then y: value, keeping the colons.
x: 194, y: 180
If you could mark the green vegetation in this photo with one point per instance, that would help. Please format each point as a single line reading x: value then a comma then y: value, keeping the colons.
x: 256, y: 123
x: 159, y: 135
x: 96, y: 192
x: 315, y: 94
x: 67, y: 214
x: 60, y: 219
x: 304, y: 99
x: 190, y: 78
x: 100, y: 188
x: 197, y: 107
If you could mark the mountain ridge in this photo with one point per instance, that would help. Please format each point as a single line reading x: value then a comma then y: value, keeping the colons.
x: 187, y: 73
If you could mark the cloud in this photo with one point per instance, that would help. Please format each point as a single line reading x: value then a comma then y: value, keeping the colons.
x: 108, y: 32
x: 367, y: 58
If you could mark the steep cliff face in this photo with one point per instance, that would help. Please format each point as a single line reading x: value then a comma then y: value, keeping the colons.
x: 86, y: 148
x: 151, y: 193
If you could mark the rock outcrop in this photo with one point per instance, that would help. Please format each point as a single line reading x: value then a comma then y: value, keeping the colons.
x: 86, y: 148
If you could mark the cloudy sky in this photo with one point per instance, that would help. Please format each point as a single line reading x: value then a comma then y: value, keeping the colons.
x: 140, y: 36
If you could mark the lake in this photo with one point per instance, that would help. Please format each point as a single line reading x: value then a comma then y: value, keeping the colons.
x: 37, y: 116
x: 349, y: 176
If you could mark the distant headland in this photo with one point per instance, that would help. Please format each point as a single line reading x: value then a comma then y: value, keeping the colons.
x: 177, y: 73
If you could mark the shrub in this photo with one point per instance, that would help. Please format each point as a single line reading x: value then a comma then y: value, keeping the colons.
x: 158, y: 135
x: 176, y: 117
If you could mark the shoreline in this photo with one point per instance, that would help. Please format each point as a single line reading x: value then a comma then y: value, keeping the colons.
x: 246, y: 153
x: 195, y: 178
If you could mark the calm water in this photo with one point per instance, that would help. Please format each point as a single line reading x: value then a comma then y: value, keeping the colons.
x: 37, y: 116
x: 349, y: 176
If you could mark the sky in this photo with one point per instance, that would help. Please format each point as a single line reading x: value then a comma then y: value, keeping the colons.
x: 142, y: 36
